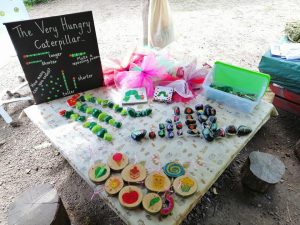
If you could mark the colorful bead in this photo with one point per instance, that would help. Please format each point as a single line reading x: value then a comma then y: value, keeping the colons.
x: 102, y: 116
x: 137, y: 135
x: 162, y: 133
x: 176, y: 111
x: 62, y: 112
x: 152, y: 135
x: 170, y: 134
x: 86, y: 124
x: 124, y: 112
x: 92, y: 124
x: 112, y: 122
x: 107, y: 137
x: 110, y: 105
x: 68, y: 114
x: 107, y: 118
x: 101, y: 132
x: 170, y: 127
x: 118, y: 124
x: 81, y: 118
x: 96, y: 113
x: 89, y: 110
x: 98, y: 101
x: 104, y: 103
x: 161, y: 126
x: 74, y: 116
x: 96, y: 129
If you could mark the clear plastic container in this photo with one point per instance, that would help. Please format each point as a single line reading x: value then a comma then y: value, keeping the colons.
x: 242, y: 80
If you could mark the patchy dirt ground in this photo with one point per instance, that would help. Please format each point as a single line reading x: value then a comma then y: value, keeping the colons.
x: 234, y: 31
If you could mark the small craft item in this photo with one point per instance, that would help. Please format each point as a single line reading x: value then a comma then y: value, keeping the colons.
x: 117, y: 161
x: 193, y: 133
x: 168, y: 205
x: 163, y: 94
x: 113, y: 185
x: 188, y: 110
x: 170, y: 129
x: 152, y: 135
x: 98, y: 114
x: 134, y: 114
x: 157, y: 182
x: 105, y: 103
x: 185, y: 185
x: 230, y: 130
x: 99, y: 172
x: 138, y: 135
x: 130, y: 197
x: 134, y: 173
x: 134, y: 96
x: 243, y: 130
x: 96, y: 129
x: 161, y: 131
x: 176, y: 111
x: 227, y: 89
x: 152, y: 203
x: 173, y: 169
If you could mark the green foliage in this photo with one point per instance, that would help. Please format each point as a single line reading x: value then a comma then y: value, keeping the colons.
x: 34, y: 2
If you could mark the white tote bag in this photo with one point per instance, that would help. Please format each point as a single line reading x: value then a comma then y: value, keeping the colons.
x: 160, y: 24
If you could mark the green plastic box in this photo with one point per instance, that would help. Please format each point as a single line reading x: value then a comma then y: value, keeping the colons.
x: 239, y: 79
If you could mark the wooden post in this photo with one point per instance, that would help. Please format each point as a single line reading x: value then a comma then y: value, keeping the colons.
x: 145, y: 13
x: 38, y: 205
x: 261, y: 170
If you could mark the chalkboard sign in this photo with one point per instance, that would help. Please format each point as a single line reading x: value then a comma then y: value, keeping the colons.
x: 59, y: 55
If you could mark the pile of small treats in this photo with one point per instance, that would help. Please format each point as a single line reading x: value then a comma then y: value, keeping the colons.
x: 292, y: 30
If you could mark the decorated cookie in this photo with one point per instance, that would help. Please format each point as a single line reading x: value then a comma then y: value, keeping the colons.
x: 168, y: 205
x: 134, y: 173
x: 185, y: 185
x: 99, y: 172
x: 130, y: 196
x: 113, y: 185
x: 117, y: 161
x: 157, y: 182
x: 173, y: 169
x: 152, y: 203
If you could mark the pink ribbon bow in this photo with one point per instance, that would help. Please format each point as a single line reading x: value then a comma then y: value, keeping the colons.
x: 141, y: 76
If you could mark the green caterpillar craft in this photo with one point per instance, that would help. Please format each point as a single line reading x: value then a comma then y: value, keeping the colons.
x: 134, y: 93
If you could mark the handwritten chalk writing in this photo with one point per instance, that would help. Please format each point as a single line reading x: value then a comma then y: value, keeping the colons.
x: 66, y: 40
x: 69, y: 92
x: 75, y: 26
x: 85, y: 59
x: 21, y: 32
x: 85, y: 77
x: 55, y: 55
x: 51, y: 62
x: 40, y: 80
x: 47, y: 30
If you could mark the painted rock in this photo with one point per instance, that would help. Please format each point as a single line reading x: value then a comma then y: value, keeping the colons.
x: 176, y: 118
x: 96, y: 113
x: 219, y: 133
x: 231, y: 130
x: 168, y: 205
x: 170, y: 127
x: 134, y: 173
x: 99, y: 172
x: 243, y: 130
x: 194, y: 132
x: 137, y: 135
x: 148, y: 112
x: 208, y: 134
x: 178, y: 125
x: 117, y: 161
x: 202, y: 118
x: 213, y: 127
x: 192, y: 126
x: 179, y: 132
x: 188, y: 110
x: 176, y: 111
x: 199, y: 107
x: 62, y: 112
x: 189, y: 117
x: 131, y: 112
x: 162, y: 133
x: 161, y: 126
x: 188, y: 122
x: 170, y: 134
x: 212, y: 119
x: 169, y: 121
x: 110, y: 104
x: 152, y: 135
x: 173, y: 169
